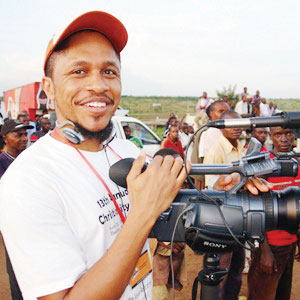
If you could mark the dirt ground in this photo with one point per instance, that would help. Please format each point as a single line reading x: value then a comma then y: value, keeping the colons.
x: 193, y: 266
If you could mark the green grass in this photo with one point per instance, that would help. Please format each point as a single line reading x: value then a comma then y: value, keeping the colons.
x: 141, y: 107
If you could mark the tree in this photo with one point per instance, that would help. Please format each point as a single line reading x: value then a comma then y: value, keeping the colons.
x: 229, y: 92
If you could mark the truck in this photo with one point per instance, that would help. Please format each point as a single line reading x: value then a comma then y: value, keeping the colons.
x: 32, y: 98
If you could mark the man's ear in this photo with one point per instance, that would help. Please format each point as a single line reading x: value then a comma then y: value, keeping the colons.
x: 48, y: 87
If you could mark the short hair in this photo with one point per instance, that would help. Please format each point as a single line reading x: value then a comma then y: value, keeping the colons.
x: 211, y: 107
x: 229, y: 113
x: 62, y: 47
x: 172, y: 118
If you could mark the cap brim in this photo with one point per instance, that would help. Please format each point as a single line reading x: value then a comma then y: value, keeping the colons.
x: 99, y: 21
x: 21, y: 126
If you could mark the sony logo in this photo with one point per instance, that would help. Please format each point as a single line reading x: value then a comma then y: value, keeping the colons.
x: 215, y: 245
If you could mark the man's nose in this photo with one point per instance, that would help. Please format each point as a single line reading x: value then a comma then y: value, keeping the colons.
x: 283, y: 138
x: 97, y: 82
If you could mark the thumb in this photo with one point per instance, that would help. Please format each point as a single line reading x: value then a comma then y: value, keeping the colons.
x: 137, y: 166
x: 225, y: 180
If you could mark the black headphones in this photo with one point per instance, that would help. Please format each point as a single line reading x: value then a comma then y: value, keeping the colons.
x: 75, y: 137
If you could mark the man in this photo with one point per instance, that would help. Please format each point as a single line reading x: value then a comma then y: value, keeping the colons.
x: 23, y: 117
x: 212, y: 135
x: 228, y: 149
x: 172, y: 141
x: 271, y: 271
x: 201, y: 106
x: 264, y: 112
x: 64, y: 226
x: 261, y: 135
x: 14, y: 135
x: 244, y: 93
x: 45, y: 127
x: 135, y: 140
x: 206, y: 138
x: 256, y: 97
x: 15, y: 141
x: 76, y: 245
x: 243, y: 107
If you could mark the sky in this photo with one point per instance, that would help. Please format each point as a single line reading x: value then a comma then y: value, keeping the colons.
x: 175, y: 47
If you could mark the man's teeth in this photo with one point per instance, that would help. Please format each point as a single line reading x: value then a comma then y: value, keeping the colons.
x: 96, y: 104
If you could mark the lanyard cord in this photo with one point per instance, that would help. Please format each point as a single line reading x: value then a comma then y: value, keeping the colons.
x: 61, y: 139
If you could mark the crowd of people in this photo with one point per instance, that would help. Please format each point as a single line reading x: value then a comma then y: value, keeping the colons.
x: 70, y: 232
x: 271, y: 266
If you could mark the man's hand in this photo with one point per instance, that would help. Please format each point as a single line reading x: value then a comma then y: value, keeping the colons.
x: 153, y: 191
x: 254, y: 185
x: 267, y: 259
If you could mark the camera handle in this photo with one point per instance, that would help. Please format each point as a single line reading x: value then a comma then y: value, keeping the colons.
x: 209, y: 278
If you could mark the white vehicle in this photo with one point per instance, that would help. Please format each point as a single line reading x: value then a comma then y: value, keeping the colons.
x: 151, y: 142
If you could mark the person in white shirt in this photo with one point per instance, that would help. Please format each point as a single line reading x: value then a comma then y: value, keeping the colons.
x: 243, y: 107
x: 185, y: 137
x: 201, y: 106
x: 70, y: 231
x: 264, y: 112
x: 64, y: 226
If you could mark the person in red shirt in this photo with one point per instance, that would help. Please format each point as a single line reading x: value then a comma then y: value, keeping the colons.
x: 172, y: 141
x: 271, y: 270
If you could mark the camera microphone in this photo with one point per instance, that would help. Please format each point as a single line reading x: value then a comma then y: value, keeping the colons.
x: 283, y: 119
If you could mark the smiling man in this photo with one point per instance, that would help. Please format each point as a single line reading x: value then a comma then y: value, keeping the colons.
x: 71, y: 233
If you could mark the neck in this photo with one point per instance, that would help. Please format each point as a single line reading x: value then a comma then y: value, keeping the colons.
x: 12, y: 152
x: 275, y: 150
x: 89, y: 144
x: 233, y: 142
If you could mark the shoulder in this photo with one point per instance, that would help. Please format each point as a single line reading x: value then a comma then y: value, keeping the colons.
x: 216, y: 153
x: 124, y: 148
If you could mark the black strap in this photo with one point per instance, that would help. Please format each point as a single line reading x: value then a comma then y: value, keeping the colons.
x: 195, y: 288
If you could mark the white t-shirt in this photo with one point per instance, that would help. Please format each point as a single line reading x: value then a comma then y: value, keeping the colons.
x: 56, y: 217
x: 264, y: 112
x: 208, y: 139
x: 185, y: 139
x: 243, y: 108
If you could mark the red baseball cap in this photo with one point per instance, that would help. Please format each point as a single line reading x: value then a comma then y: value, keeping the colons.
x: 99, y: 21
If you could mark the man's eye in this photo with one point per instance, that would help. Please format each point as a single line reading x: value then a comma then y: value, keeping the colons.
x: 79, y: 72
x: 109, y: 72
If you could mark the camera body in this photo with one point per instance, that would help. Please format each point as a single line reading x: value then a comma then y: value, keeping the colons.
x: 249, y: 217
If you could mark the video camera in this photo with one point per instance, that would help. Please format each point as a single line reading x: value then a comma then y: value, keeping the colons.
x: 211, y: 221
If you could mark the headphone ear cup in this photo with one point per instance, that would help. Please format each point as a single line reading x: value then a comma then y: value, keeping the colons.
x: 111, y: 136
x: 73, y: 136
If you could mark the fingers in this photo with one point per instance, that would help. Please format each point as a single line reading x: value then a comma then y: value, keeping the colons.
x: 227, y: 182
x: 256, y: 185
x: 183, y: 172
x: 137, y: 166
